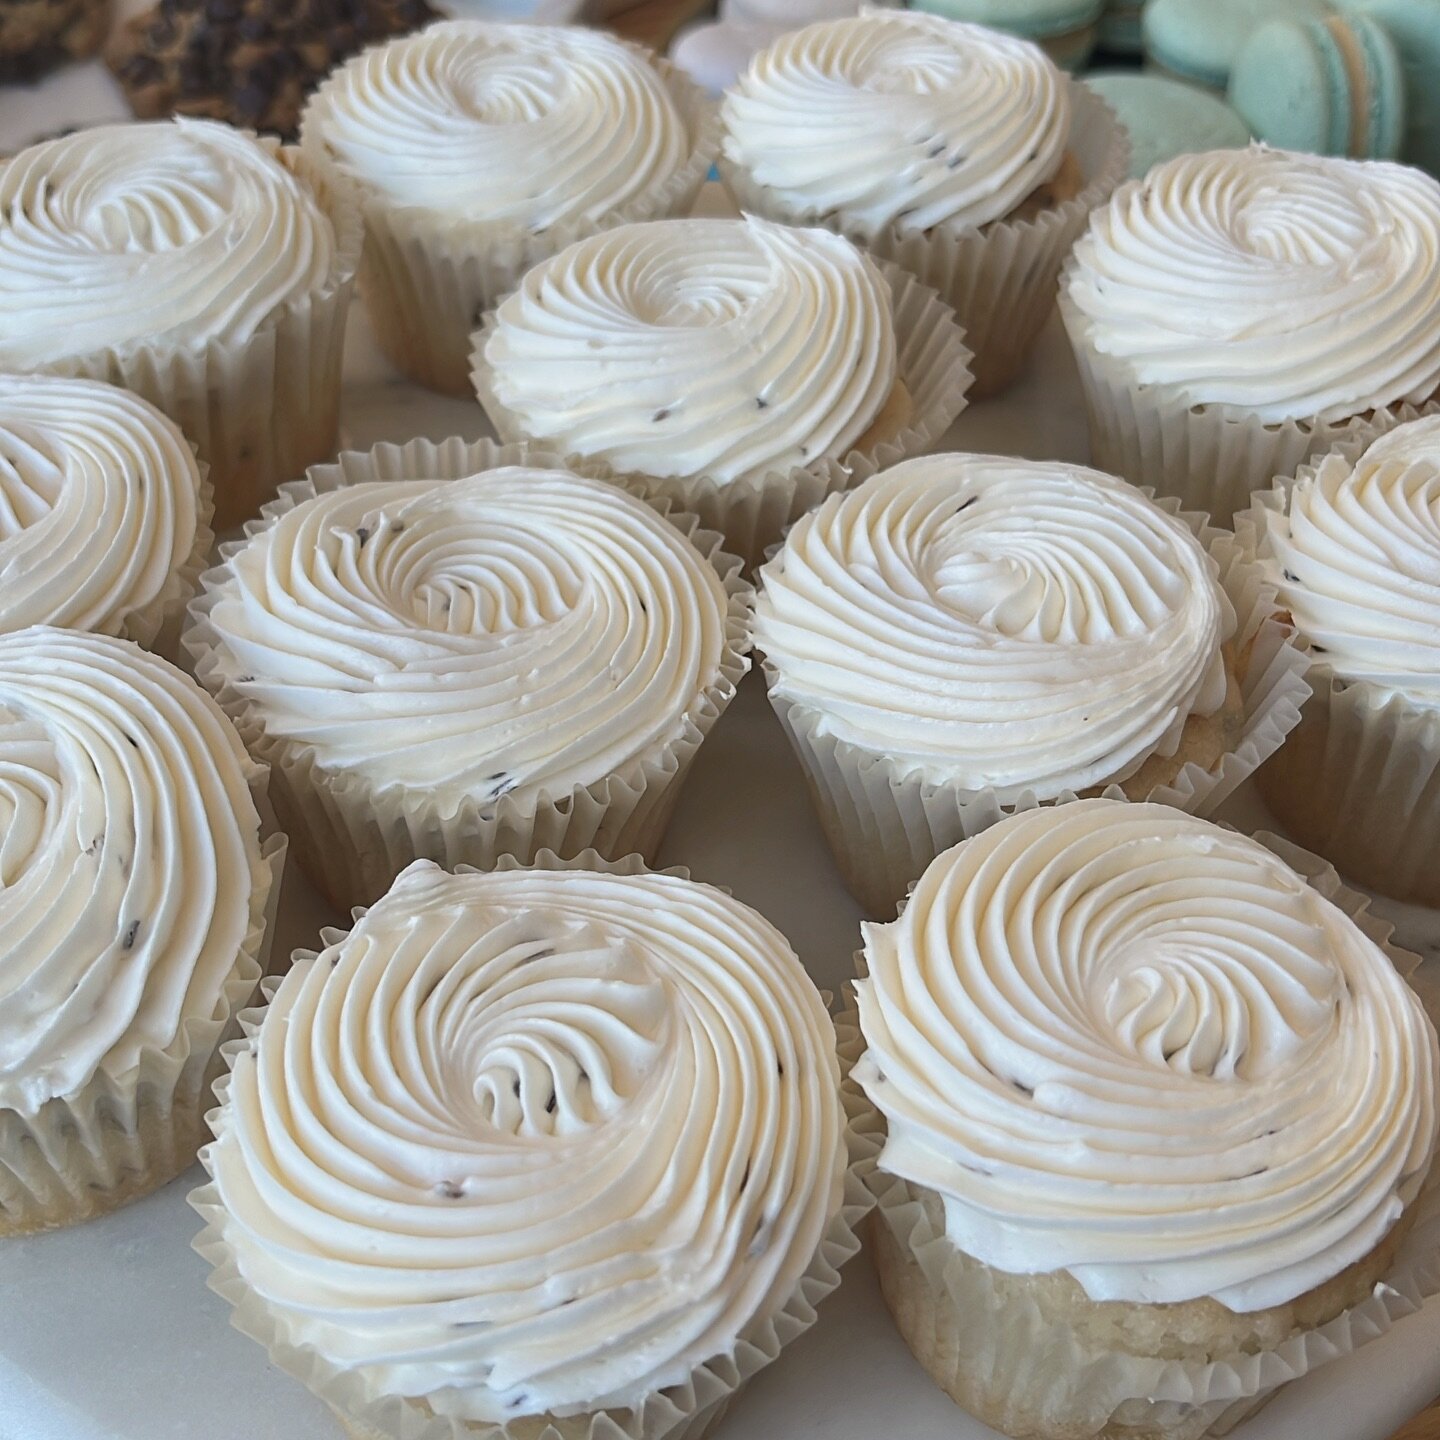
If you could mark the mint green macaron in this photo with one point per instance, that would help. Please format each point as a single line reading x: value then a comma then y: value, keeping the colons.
x: 1198, y: 40
x: 1120, y: 27
x: 1332, y: 86
x: 1414, y: 25
x: 1065, y: 28
x: 1166, y: 118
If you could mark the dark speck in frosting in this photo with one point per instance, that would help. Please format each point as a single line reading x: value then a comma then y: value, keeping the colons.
x: 450, y: 1190
x: 964, y: 505
x: 362, y: 535
x: 516, y: 1088
x: 397, y: 527
x: 761, y: 403
x: 133, y: 741
x: 1025, y: 1090
x: 955, y: 161
x: 550, y: 1104
x: 745, y: 1178
x: 1293, y: 579
x: 936, y: 153
x: 128, y: 943
x: 660, y: 415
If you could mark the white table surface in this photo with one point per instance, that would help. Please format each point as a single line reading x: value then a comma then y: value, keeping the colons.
x: 107, y: 1331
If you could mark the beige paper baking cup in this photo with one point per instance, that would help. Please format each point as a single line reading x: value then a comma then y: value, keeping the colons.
x: 1020, y: 1371
x: 999, y: 278
x: 353, y: 837
x: 885, y: 823
x: 1209, y: 457
x: 427, y: 278
x: 121, y: 1137
x: 261, y: 409
x: 684, y: 1412
x: 753, y: 512
x: 1359, y: 780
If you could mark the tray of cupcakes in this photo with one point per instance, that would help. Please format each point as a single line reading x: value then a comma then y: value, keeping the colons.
x: 596, y: 742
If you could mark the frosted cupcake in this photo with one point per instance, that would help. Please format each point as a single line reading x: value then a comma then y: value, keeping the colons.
x: 586, y: 1174
x: 1159, y: 1114
x: 200, y: 267
x: 460, y: 652
x: 135, y: 895
x: 959, y: 153
x: 1353, y: 550
x: 478, y: 149
x: 104, y: 512
x: 967, y: 635
x: 1240, y: 311
x: 737, y: 367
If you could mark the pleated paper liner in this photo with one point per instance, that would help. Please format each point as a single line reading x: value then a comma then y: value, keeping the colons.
x: 999, y: 278
x: 351, y: 836
x: 753, y: 512
x: 260, y: 409
x: 1023, y: 1371
x: 684, y: 1412
x: 885, y: 823
x: 119, y: 1138
x: 1359, y: 780
x: 1209, y: 457
x: 428, y: 278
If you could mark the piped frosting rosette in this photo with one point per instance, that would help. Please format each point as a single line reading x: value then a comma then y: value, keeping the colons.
x: 135, y: 898
x: 1237, y: 312
x: 963, y: 636
x: 738, y: 367
x: 457, y: 652
x: 923, y: 139
x: 104, y: 511
x: 200, y: 267
x: 1352, y: 548
x: 1122, y: 1001
x: 599, y: 1124
x: 478, y: 149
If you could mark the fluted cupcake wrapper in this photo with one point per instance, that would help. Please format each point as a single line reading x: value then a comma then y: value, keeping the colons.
x: 121, y: 1137
x: 261, y: 409
x: 1032, y: 1376
x: 1359, y: 780
x: 353, y: 837
x: 427, y: 279
x: 885, y: 823
x: 684, y: 1412
x: 1209, y: 457
x: 753, y: 512
x: 999, y: 278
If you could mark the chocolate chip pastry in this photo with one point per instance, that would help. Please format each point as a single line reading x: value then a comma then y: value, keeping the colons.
x: 38, y: 35
x: 250, y: 62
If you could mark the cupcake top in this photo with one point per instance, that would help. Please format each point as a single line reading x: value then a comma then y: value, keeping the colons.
x: 1291, y: 286
x: 1015, y: 625
x: 100, y: 506
x: 1354, y: 553
x: 1125, y: 1043
x: 528, y: 125
x: 901, y: 118
x: 533, y: 1142
x: 177, y: 232
x: 726, y: 348
x: 130, y: 865
x: 520, y: 632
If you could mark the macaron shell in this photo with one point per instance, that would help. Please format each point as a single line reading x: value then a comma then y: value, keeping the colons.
x: 1414, y: 25
x: 1166, y: 118
x: 1034, y: 19
x: 1199, y: 40
x: 1386, y: 96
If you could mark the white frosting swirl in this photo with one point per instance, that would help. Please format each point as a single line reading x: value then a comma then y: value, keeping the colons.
x: 1355, y: 557
x: 525, y: 124
x: 899, y: 118
x: 1125, y: 1043
x: 518, y: 632
x: 99, y: 505
x: 534, y: 1142
x: 129, y: 852
x: 178, y: 232
x: 1294, y: 286
x: 724, y: 348
x: 1015, y: 625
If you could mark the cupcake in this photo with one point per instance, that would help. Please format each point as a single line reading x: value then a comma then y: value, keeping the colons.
x: 104, y: 512
x: 964, y: 636
x: 478, y: 149
x: 200, y: 267
x: 737, y: 367
x: 1159, y: 1112
x: 1353, y: 550
x: 1240, y: 311
x: 135, y: 900
x: 957, y: 152
x: 460, y: 652
x: 557, y: 1151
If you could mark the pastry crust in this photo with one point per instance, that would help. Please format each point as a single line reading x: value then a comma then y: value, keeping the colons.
x: 38, y: 35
